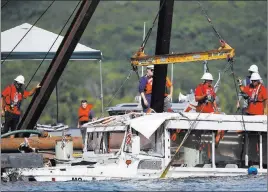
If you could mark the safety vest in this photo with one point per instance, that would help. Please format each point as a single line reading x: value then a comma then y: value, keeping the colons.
x: 254, y: 94
x: 149, y: 86
x: 256, y: 97
x: 13, y: 99
x: 204, y: 105
x: 167, y: 87
x: 83, y: 113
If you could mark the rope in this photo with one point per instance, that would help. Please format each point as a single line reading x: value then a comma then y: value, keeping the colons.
x: 209, y: 20
x: 5, y: 4
x: 128, y: 76
x: 150, y: 30
x: 52, y: 45
x: 28, y: 31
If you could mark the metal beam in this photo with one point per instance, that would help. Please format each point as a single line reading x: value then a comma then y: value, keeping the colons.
x: 58, y: 64
x: 162, y: 47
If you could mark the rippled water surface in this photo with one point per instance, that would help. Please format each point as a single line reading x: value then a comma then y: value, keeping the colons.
x: 245, y: 183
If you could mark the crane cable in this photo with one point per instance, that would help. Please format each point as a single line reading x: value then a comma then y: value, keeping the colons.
x: 5, y: 4
x: 122, y: 84
x: 210, y: 21
x: 57, y: 102
x: 134, y: 68
x: 245, y: 136
x: 144, y: 42
x: 52, y: 44
x: 28, y: 31
x: 150, y: 30
x: 230, y: 61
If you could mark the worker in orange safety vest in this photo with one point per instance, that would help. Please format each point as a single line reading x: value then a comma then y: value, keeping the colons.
x: 206, y: 98
x: 12, y: 97
x: 257, y: 95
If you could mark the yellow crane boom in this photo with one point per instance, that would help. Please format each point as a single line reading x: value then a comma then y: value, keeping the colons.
x: 225, y: 51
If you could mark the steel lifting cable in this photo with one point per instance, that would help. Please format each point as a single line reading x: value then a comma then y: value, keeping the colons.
x: 5, y: 4
x: 53, y: 44
x: 127, y: 78
x: 57, y: 101
x: 242, y: 115
x: 209, y: 20
x: 150, y: 30
x: 237, y: 94
x: 28, y: 31
x: 144, y: 42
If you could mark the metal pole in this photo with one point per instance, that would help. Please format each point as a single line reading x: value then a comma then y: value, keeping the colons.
x: 172, y: 72
x: 162, y: 47
x: 246, y: 154
x: 144, y: 29
x: 260, y: 151
x: 101, y: 94
x: 57, y: 101
x: 213, y: 150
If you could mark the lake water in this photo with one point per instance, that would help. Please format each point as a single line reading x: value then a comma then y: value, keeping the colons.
x: 243, y: 183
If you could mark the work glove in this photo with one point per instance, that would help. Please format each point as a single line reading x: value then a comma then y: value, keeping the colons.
x: 210, y: 98
x: 239, y: 81
x: 38, y: 86
x: 244, y: 95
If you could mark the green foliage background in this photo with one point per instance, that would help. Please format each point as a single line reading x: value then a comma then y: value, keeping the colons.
x: 116, y: 29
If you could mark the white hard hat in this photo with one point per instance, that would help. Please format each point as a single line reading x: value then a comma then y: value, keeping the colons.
x: 150, y: 67
x: 207, y: 76
x: 253, y: 68
x: 20, y: 79
x: 255, y: 76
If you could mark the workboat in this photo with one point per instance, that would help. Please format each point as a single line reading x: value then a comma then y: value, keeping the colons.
x: 147, y: 151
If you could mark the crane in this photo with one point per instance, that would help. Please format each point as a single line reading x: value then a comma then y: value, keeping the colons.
x: 225, y: 51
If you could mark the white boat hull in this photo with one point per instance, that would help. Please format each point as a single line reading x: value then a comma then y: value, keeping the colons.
x: 112, y: 172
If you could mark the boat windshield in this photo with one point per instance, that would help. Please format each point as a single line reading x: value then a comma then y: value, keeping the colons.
x: 138, y: 144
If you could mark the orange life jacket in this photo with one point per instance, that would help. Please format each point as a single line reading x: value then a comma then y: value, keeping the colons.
x: 149, y: 86
x: 83, y: 113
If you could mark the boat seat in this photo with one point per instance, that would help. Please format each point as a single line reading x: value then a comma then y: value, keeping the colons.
x: 231, y: 166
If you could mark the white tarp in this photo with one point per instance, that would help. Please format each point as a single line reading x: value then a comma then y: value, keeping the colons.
x: 37, y: 43
x: 148, y: 124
